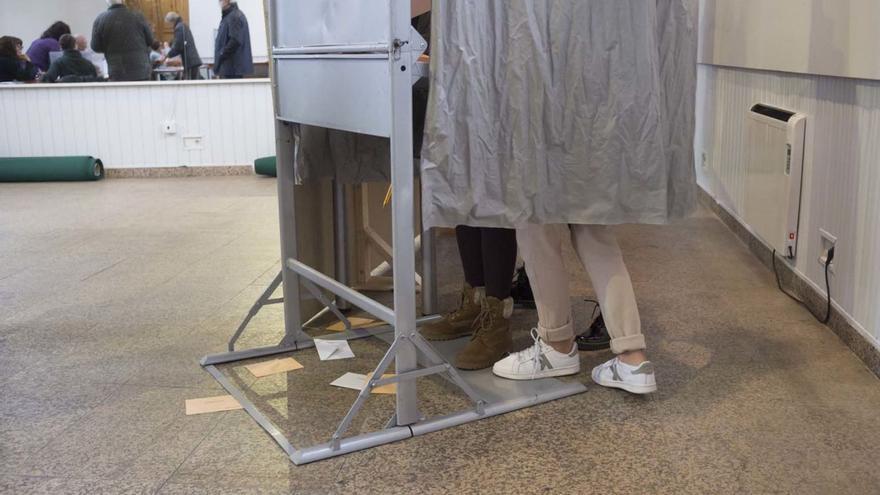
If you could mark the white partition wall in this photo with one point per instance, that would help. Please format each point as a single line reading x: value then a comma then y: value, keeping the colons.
x: 123, y: 123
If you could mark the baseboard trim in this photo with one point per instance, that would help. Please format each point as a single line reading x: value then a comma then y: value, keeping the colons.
x: 841, y: 323
x: 162, y: 172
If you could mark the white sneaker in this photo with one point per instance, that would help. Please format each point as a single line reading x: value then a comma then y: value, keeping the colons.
x: 634, y: 379
x: 538, y: 361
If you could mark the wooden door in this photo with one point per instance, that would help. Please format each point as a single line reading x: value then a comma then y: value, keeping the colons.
x: 154, y: 11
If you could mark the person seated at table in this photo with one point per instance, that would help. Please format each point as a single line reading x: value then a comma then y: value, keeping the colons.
x: 71, y: 63
x: 82, y: 44
x: 40, y: 49
x: 14, y: 64
x: 156, y: 55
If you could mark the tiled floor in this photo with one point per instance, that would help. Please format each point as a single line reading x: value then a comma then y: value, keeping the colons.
x: 111, y: 291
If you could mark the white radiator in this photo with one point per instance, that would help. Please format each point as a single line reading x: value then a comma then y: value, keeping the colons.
x: 773, y: 179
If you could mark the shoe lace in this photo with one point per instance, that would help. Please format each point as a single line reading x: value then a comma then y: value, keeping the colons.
x: 461, y: 306
x: 484, y: 320
x: 534, y: 352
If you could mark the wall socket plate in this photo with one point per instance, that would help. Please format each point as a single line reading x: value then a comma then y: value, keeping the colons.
x: 169, y: 127
x: 828, y: 241
x: 704, y: 159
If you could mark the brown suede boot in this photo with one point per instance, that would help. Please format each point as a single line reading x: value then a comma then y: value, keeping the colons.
x: 460, y: 322
x: 492, y: 339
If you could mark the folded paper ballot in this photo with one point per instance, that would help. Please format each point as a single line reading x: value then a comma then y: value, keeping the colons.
x: 357, y: 381
x: 211, y: 404
x: 330, y: 350
x: 273, y: 367
x: 356, y: 322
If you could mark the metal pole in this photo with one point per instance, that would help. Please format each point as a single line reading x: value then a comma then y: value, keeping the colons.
x: 340, y: 238
x: 403, y: 215
x: 285, y: 143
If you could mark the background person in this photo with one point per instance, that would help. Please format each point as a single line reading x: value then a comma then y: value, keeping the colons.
x: 14, y: 63
x: 124, y: 37
x: 232, y: 48
x: 70, y: 64
x: 184, y: 46
x: 40, y: 49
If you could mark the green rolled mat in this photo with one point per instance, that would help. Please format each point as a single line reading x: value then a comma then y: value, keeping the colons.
x: 266, y: 166
x: 51, y: 168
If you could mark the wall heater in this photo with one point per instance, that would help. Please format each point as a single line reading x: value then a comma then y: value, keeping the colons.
x: 773, y: 177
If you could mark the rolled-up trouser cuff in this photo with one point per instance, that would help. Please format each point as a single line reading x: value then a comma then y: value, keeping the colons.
x: 561, y: 334
x: 628, y: 343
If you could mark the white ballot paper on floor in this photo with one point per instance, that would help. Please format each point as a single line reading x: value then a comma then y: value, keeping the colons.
x: 329, y: 350
x: 357, y: 381
x: 354, y: 381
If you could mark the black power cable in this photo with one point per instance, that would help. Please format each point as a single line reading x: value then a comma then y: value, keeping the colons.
x: 828, y: 261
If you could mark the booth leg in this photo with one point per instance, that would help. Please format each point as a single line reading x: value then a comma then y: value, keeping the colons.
x: 340, y: 239
x: 403, y: 214
x: 287, y: 222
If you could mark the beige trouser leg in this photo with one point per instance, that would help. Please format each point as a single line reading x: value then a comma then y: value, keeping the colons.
x: 597, y: 248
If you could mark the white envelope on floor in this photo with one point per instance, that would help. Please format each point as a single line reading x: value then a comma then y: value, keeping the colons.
x: 330, y: 350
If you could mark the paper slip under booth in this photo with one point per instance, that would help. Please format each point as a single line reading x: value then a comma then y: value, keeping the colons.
x: 211, y: 405
x: 356, y: 323
x: 331, y: 350
x: 357, y: 381
x: 273, y: 367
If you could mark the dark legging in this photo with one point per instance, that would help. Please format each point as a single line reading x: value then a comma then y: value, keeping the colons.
x: 488, y: 257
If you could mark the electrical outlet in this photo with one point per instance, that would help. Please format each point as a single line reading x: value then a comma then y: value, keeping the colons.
x: 828, y: 241
x: 193, y: 143
x: 169, y: 127
x: 704, y: 159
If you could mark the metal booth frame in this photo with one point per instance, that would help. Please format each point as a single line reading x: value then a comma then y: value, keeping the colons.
x: 377, y: 51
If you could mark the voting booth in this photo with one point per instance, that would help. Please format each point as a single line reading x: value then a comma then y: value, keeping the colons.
x: 351, y: 66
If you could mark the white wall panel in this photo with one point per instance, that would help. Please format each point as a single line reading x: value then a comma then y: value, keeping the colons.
x: 842, y: 170
x: 825, y: 37
x: 122, y: 123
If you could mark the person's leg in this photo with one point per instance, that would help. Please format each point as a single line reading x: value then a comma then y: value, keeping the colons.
x: 541, y: 249
x: 499, y: 261
x: 600, y: 254
x: 459, y: 323
x: 470, y: 250
x: 553, y: 352
x: 492, y: 339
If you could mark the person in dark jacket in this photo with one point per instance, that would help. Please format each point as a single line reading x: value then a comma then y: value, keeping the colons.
x: 14, y: 64
x: 232, y: 48
x: 184, y: 46
x: 40, y: 49
x: 124, y: 37
x: 71, y: 63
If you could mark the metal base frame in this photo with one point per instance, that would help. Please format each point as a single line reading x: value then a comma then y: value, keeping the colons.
x: 474, y: 385
x: 387, y: 71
